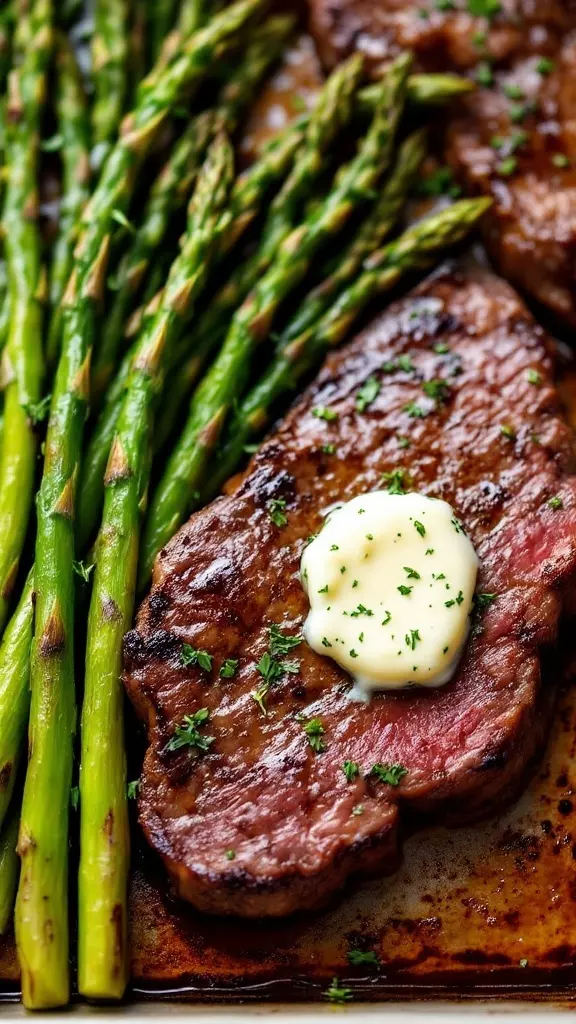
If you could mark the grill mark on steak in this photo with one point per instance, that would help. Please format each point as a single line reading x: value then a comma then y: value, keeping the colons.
x: 531, y: 229
x: 260, y: 790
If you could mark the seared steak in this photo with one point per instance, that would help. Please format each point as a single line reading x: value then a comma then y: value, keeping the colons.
x: 528, y: 50
x: 261, y: 824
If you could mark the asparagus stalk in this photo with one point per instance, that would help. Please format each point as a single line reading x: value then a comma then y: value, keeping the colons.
x: 172, y: 187
x: 416, y: 249
x: 104, y: 840
x: 223, y: 384
x: 332, y: 111
x: 169, y: 191
x: 6, y: 28
x: 162, y: 19
x: 14, y: 692
x: 137, y: 44
x: 248, y: 195
x: 74, y: 128
x: 378, y: 224
x: 110, y: 74
x: 191, y: 16
x: 9, y: 867
x: 41, y: 904
x: 23, y: 361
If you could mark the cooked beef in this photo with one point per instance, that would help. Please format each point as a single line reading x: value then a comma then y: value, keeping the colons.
x: 531, y: 230
x: 296, y: 827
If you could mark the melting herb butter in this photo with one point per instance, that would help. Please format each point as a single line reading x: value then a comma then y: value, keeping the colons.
x: 390, y: 579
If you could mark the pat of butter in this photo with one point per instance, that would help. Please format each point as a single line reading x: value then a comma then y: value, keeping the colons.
x: 390, y: 579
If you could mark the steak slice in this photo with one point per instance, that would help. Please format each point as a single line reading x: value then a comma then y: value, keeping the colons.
x: 531, y: 229
x: 260, y: 824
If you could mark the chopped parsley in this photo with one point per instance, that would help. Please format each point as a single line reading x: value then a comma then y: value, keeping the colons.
x: 367, y: 393
x: 555, y: 502
x: 396, y: 481
x: 132, y: 789
x: 507, y: 167
x: 276, y: 511
x: 351, y: 770
x: 392, y: 774
x: 439, y: 183
x: 386, y: 620
x: 513, y: 91
x: 188, y: 734
x: 328, y: 449
x: 326, y: 642
x: 270, y: 669
x: 411, y: 573
x: 281, y: 643
x: 82, y: 570
x: 228, y: 668
x: 338, y: 993
x: 545, y: 66
x: 37, y: 411
x: 315, y: 731
x: 191, y: 656
x: 322, y: 413
x: 361, y: 609
x: 484, y: 75
x: 412, y: 638
x: 482, y: 601
x: 403, y: 442
x: 484, y: 8
x: 230, y: 854
x: 405, y: 363
x: 507, y: 431
x: 405, y: 591
x: 436, y: 389
x: 415, y: 411
x: 420, y: 528
x: 560, y: 160
x: 533, y: 377
x: 359, y: 958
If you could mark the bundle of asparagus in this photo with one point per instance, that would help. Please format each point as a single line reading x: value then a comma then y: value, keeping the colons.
x: 122, y: 262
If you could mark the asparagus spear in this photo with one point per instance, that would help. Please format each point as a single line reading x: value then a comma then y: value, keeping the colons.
x: 74, y: 128
x: 248, y: 195
x: 41, y: 904
x: 163, y: 17
x: 184, y: 473
x: 14, y: 692
x: 378, y: 223
x: 110, y: 74
x: 172, y: 187
x: 416, y: 249
x: 23, y: 363
x: 332, y: 111
x: 137, y: 32
x: 169, y: 191
x: 9, y: 867
x: 104, y: 854
x: 6, y: 27
x: 191, y: 16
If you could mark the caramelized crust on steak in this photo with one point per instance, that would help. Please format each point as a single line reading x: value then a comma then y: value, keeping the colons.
x: 531, y: 229
x: 296, y: 826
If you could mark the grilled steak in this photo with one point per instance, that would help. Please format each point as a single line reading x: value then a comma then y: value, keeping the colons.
x: 513, y: 140
x: 260, y: 824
